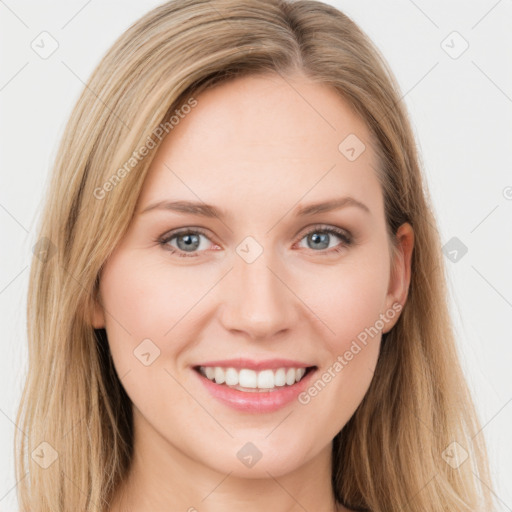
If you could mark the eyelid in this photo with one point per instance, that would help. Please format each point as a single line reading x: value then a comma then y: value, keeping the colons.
x: 170, y: 235
x: 342, y: 233
x: 179, y: 231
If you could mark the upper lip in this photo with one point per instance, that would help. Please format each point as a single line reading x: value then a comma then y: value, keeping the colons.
x: 267, y: 364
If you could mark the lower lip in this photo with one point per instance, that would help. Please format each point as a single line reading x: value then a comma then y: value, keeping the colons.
x: 256, y: 401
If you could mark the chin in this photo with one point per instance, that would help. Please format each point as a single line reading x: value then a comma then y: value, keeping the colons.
x: 257, y: 458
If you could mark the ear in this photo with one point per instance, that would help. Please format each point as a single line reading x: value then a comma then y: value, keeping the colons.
x: 401, y: 271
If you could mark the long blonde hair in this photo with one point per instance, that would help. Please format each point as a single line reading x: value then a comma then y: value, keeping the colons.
x: 395, y: 452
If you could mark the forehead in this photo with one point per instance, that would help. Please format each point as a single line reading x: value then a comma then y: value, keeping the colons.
x: 266, y: 137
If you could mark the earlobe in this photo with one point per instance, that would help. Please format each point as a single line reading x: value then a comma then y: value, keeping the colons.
x: 401, y: 270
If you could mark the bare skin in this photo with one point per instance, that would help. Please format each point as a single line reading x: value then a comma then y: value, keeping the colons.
x: 256, y: 150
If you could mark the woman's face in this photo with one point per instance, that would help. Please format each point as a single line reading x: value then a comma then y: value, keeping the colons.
x: 258, y: 281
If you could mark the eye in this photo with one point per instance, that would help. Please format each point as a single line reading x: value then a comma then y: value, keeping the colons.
x: 187, y: 242
x: 320, y: 236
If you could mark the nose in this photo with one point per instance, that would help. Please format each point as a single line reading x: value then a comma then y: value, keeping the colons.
x: 258, y: 301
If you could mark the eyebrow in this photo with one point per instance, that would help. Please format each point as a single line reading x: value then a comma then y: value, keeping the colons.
x: 333, y: 204
x: 206, y: 210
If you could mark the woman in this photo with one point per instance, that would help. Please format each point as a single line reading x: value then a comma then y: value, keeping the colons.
x: 240, y: 301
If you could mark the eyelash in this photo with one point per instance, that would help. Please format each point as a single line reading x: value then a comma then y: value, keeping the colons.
x: 346, y: 238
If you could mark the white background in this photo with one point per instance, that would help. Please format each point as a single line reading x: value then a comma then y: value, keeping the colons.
x: 461, y: 110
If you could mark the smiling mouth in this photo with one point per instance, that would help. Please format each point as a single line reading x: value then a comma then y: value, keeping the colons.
x: 252, y: 381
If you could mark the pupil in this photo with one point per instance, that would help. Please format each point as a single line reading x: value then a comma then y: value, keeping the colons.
x: 323, y: 238
x: 191, y: 242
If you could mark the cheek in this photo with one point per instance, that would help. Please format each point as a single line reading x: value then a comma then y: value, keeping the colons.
x: 148, y: 298
x: 146, y: 303
x: 350, y: 303
x: 349, y: 299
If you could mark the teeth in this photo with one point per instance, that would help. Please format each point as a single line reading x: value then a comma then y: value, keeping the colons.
x: 280, y: 377
x: 266, y: 379
x: 220, y: 375
x: 231, y: 377
x: 245, y: 378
